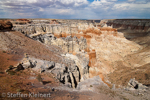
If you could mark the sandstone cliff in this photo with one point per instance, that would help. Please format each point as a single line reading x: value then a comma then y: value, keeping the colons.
x: 131, y: 24
x: 131, y: 27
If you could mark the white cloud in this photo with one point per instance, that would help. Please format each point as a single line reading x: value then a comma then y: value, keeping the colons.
x: 102, y: 4
x: 61, y: 11
x: 41, y: 9
x: 74, y: 8
x: 132, y: 6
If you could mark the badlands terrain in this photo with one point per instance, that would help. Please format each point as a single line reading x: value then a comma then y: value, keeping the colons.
x: 75, y: 59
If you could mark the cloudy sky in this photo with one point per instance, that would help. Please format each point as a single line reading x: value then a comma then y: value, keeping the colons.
x: 75, y: 9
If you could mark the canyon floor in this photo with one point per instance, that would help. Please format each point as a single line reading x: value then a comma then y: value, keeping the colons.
x: 132, y: 62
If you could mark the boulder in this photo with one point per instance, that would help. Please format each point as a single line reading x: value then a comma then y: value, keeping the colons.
x: 133, y: 84
x: 28, y: 64
x: 20, y: 67
x: 50, y: 65
x: 5, y: 25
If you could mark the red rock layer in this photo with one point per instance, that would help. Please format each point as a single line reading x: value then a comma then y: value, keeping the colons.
x: 108, y: 29
x: 92, y: 58
x: 54, y: 22
x: 22, y: 21
x: 132, y: 24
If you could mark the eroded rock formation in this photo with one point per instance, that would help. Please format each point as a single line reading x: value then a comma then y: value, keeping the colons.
x: 5, y: 25
x: 131, y: 27
x: 105, y: 48
x: 51, y: 26
x: 131, y: 24
x: 75, y: 70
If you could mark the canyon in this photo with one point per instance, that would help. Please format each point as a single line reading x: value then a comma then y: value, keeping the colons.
x: 79, y: 52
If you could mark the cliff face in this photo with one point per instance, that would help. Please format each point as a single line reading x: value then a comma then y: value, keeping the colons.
x: 131, y: 24
x: 50, y: 26
x: 131, y: 27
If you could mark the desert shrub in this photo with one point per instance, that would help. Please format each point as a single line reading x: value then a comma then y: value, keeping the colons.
x: 11, y: 72
x: 39, y: 78
x: 11, y: 67
x: 4, y: 51
x: 147, y: 76
x: 124, y: 98
x: 19, y: 90
x: 1, y: 72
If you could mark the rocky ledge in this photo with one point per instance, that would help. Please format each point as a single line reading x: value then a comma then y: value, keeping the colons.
x: 5, y: 25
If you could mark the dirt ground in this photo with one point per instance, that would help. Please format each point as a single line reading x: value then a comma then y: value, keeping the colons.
x: 123, y: 74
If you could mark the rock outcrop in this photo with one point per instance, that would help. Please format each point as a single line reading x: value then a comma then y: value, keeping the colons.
x: 68, y: 44
x: 49, y: 26
x: 22, y: 21
x: 75, y: 70
x: 5, y: 25
x: 131, y: 24
x: 131, y: 27
x: 133, y: 84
